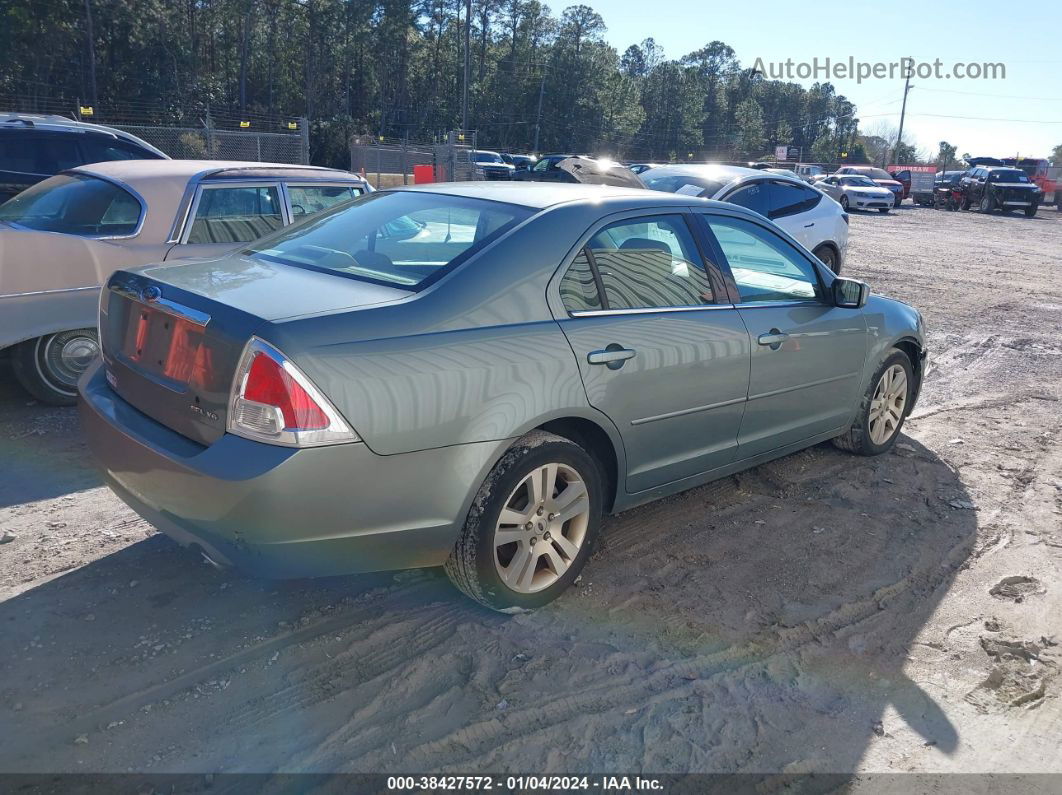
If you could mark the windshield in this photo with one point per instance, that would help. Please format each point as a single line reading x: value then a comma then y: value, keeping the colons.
x: 487, y: 157
x: 861, y: 182
x: 1008, y: 176
x: 75, y: 204
x: 690, y: 186
x: 406, y: 239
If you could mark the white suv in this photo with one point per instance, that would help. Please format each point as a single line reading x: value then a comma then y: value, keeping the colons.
x: 810, y: 217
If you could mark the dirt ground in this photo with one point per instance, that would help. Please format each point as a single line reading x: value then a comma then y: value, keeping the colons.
x: 820, y: 613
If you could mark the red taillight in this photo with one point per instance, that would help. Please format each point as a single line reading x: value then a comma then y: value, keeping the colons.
x: 267, y: 383
x: 273, y: 401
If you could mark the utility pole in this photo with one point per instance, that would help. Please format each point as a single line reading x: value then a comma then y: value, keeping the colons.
x: 538, y: 115
x: 90, y: 37
x: 467, y: 64
x: 903, y: 108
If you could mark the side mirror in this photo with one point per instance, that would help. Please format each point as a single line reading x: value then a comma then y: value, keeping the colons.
x: 850, y: 293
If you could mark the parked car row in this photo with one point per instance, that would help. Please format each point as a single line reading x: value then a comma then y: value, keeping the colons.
x: 302, y: 376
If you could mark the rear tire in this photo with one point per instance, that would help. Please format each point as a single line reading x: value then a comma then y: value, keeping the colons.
x: 521, y: 501
x: 49, y: 367
x: 986, y: 204
x: 828, y: 257
x: 965, y: 204
x: 883, y: 408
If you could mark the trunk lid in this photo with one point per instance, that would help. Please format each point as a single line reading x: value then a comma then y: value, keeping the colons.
x: 172, y: 335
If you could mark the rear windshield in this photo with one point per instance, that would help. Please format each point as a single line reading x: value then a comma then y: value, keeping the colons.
x: 75, y: 204
x: 691, y: 186
x: 406, y: 239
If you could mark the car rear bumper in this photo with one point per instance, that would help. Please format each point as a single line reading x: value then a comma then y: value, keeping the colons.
x: 284, y: 512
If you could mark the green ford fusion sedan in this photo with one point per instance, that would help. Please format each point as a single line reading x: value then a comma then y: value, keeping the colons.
x: 470, y: 375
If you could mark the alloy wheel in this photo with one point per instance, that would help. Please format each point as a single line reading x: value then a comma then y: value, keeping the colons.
x: 888, y: 404
x: 541, y: 528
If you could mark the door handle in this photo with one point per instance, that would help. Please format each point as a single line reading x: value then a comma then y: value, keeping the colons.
x: 808, y: 226
x: 613, y: 356
x: 774, y: 338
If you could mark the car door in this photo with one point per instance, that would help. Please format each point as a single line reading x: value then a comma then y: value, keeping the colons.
x: 661, y: 350
x: 807, y: 354
x: 224, y: 215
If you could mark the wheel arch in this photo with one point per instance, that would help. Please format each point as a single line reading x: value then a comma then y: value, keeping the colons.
x: 910, y: 346
x: 593, y: 438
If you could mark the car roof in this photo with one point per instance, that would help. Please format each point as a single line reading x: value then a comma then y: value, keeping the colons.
x: 540, y: 195
x: 718, y: 172
x: 133, y: 171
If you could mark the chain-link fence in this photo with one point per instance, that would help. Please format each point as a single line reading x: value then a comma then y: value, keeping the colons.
x: 389, y: 162
x: 209, y: 143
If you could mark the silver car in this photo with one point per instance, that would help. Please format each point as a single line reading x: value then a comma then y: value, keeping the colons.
x: 470, y: 375
x: 856, y: 192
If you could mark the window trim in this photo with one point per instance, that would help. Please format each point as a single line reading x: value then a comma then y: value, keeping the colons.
x: 118, y: 184
x: 200, y: 188
x: 735, y: 294
x: 716, y: 278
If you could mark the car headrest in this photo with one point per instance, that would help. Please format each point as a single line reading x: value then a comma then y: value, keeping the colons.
x: 644, y: 243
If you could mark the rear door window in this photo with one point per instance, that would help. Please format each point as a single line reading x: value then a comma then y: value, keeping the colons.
x: 236, y: 214
x: 754, y: 196
x: 786, y: 199
x: 38, y: 153
x: 75, y: 204
x: 95, y: 150
x: 309, y: 199
x: 650, y: 263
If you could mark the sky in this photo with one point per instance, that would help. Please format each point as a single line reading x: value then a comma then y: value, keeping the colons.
x: 1019, y: 114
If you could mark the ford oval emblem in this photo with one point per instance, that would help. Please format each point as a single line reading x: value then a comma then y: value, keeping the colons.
x: 151, y: 293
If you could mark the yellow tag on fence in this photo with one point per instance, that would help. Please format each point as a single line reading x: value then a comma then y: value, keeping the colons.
x: 245, y: 124
x: 86, y: 110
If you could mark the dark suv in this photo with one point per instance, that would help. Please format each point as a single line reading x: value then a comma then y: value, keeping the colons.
x: 1000, y: 188
x: 33, y: 148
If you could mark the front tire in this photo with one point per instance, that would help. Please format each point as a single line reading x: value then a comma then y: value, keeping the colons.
x: 531, y: 526
x: 1030, y: 212
x: 49, y: 367
x: 844, y: 203
x: 883, y: 209
x: 883, y: 409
